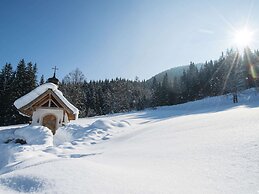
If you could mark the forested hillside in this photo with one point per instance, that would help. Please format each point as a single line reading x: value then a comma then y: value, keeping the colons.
x: 175, y: 72
x: 231, y: 73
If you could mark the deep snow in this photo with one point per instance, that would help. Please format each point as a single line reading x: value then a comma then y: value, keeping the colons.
x: 207, y: 146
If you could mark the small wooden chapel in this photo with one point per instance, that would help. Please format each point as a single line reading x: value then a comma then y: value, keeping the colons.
x: 47, y: 106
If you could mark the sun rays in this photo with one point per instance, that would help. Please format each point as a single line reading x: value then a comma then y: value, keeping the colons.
x: 243, y: 38
x: 241, y: 35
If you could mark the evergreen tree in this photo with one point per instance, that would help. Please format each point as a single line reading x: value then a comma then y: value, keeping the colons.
x: 7, y: 95
x: 31, y: 77
x: 165, y: 89
x: 20, y: 79
x: 155, y: 89
x: 42, y: 81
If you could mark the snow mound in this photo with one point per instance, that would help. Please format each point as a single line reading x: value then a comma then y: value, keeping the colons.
x: 6, y: 135
x: 108, y: 124
x: 101, y: 129
x: 35, y: 135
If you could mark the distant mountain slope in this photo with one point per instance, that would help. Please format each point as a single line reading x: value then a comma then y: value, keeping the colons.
x: 172, y: 73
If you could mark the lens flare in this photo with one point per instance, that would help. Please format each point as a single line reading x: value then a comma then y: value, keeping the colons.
x: 243, y: 38
x: 253, y: 72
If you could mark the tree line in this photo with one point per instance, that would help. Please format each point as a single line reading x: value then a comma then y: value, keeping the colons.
x: 105, y: 96
x: 15, y: 83
x: 231, y: 73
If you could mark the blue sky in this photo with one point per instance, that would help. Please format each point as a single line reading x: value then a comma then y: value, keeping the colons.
x: 120, y: 38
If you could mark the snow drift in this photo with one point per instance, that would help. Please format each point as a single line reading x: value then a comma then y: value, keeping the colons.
x: 35, y: 135
x: 101, y: 129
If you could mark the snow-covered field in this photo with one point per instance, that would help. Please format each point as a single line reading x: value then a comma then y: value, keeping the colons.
x: 207, y: 146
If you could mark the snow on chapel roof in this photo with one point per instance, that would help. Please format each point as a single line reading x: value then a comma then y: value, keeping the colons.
x: 26, y: 99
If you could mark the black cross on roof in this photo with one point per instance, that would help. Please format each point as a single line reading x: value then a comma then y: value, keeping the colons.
x: 55, y: 69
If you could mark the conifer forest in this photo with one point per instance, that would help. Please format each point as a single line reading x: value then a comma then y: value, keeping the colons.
x: 232, y: 72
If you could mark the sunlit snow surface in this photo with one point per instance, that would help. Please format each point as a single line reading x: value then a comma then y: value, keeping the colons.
x: 207, y: 146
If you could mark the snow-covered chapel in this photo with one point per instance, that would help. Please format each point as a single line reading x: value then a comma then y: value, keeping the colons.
x: 47, y: 106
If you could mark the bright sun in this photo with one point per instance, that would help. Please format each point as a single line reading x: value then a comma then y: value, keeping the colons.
x: 243, y: 38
